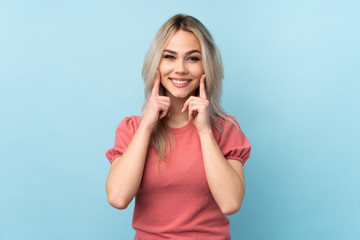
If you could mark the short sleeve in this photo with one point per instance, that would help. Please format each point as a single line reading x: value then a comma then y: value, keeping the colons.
x: 233, y: 142
x: 123, y: 135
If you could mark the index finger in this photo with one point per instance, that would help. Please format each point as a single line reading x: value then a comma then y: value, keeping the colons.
x: 155, y: 90
x: 202, y: 87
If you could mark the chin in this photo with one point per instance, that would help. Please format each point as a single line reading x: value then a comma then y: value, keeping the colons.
x: 181, y: 95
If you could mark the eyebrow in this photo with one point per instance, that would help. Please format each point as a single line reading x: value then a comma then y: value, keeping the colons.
x: 189, y: 52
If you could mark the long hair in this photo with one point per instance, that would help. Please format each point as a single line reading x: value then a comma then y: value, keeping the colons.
x: 161, y: 138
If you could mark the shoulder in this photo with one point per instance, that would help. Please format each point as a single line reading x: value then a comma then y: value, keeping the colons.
x: 224, y: 125
x: 227, y: 122
x: 232, y: 141
x: 130, y: 121
x: 123, y: 135
x: 128, y: 125
x: 132, y: 118
x: 229, y: 128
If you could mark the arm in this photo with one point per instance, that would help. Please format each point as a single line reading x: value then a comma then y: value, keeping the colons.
x: 126, y: 171
x: 225, y: 177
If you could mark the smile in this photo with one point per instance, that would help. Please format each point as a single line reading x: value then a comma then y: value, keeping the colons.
x: 180, y: 82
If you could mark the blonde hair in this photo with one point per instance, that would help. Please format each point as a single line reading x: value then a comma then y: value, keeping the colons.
x: 161, y: 138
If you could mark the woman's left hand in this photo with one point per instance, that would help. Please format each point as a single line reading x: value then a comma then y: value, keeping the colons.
x: 199, y: 108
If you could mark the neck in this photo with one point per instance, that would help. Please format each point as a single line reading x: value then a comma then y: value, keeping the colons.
x: 177, y: 118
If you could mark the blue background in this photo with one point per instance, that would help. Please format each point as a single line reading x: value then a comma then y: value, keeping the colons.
x: 71, y: 70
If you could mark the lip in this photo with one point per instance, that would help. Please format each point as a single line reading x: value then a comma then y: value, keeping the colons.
x: 180, y: 79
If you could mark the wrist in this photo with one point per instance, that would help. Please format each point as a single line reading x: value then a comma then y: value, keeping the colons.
x: 145, y: 128
x: 205, y: 132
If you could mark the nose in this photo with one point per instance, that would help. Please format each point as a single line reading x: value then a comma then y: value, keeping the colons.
x: 180, y: 67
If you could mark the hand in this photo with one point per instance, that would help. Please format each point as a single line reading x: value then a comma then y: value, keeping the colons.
x: 157, y: 106
x: 199, y: 108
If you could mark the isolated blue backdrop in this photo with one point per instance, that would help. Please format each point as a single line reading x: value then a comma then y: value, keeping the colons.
x: 71, y: 70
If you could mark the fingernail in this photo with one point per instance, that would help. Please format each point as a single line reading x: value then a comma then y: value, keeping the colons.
x: 182, y: 110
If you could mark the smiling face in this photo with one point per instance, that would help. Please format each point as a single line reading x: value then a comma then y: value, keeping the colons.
x: 181, y: 65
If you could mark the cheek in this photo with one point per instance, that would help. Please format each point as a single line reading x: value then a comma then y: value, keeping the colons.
x: 198, y: 71
x: 164, y: 69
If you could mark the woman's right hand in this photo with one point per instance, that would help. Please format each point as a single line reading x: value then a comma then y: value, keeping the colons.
x: 157, y: 106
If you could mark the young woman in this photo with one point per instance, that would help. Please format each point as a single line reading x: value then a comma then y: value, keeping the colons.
x: 183, y: 158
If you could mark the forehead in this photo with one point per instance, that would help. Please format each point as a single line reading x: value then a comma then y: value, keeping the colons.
x: 183, y: 41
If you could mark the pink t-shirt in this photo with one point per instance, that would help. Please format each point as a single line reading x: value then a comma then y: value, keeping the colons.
x: 175, y: 202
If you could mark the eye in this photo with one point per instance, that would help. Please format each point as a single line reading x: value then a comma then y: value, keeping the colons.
x: 170, y: 57
x: 194, y: 59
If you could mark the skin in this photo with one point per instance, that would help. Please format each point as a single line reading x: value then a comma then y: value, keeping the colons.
x: 181, y: 60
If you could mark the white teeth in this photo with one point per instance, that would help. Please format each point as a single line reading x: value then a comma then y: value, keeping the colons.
x: 179, y: 82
